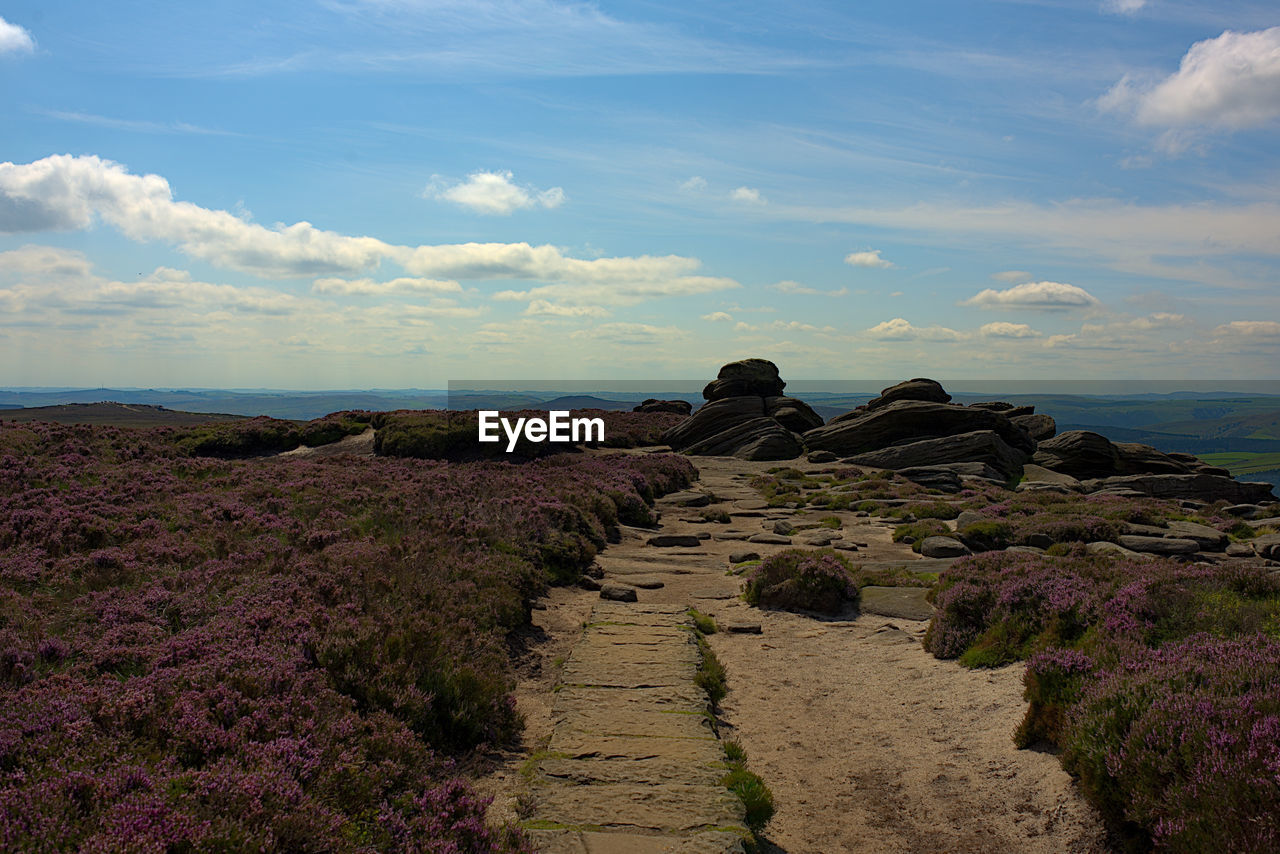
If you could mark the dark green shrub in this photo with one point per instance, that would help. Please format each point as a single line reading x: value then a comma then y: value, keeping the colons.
x: 818, y: 580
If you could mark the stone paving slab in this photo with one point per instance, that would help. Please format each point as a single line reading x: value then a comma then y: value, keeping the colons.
x: 633, y: 765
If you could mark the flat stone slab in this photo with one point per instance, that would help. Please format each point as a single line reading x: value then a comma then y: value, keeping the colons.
x: 651, y: 771
x: 674, y: 541
x: 714, y: 593
x: 644, y: 582
x: 921, y: 566
x: 1158, y: 545
x: 905, y: 603
x: 770, y: 539
x: 740, y: 627
x: 671, y: 808
x: 687, y: 499
x: 596, y: 842
x: 617, y: 592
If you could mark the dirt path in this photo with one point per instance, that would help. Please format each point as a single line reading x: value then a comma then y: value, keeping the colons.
x: 868, y: 743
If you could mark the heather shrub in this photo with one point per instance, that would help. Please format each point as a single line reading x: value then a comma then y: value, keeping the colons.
x: 1183, y: 743
x: 817, y: 580
x: 250, y: 437
x: 917, y: 531
x: 988, y: 536
x: 270, y: 654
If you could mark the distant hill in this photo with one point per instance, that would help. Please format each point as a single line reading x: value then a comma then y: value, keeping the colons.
x: 292, y: 405
x: 109, y: 413
x: 585, y: 401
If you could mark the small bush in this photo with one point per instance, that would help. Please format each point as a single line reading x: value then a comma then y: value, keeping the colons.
x: 703, y: 623
x: 917, y: 531
x: 711, y: 676
x: 818, y: 580
x: 756, y: 797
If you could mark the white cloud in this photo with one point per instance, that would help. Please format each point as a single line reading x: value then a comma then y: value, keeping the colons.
x: 368, y: 287
x: 789, y: 287
x: 63, y: 192
x: 1012, y: 277
x: 718, y: 317
x: 1251, y: 329
x: 900, y: 329
x: 741, y: 326
x: 869, y: 258
x: 1002, y: 329
x: 696, y: 184
x: 1041, y: 296
x: 1123, y: 7
x: 1232, y: 82
x: 543, y: 308
x: 495, y: 193
x: 797, y: 326
x: 748, y: 196
x: 630, y: 333
x: 15, y: 39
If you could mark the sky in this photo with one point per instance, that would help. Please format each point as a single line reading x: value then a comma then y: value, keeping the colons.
x: 318, y: 194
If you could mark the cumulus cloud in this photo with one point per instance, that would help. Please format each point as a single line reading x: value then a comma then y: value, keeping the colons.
x: 63, y: 192
x: 870, y: 258
x: 900, y: 329
x: 543, y: 308
x: 495, y: 194
x: 15, y: 39
x: 748, y: 196
x: 1012, y: 277
x: 797, y: 326
x: 1251, y: 329
x: 1002, y: 329
x: 1231, y: 82
x: 789, y: 287
x: 1039, y: 296
x: 718, y: 317
x: 696, y: 184
x: 742, y: 326
x: 368, y: 287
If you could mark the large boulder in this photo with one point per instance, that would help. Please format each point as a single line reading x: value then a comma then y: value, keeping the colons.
x: 796, y: 415
x: 712, y: 419
x: 868, y: 430
x: 1079, y: 453
x: 757, y: 377
x: 755, y: 439
x: 1008, y: 409
x: 978, y: 446
x: 914, y: 389
x: 680, y: 407
x: 1135, y: 458
x: 1039, y: 427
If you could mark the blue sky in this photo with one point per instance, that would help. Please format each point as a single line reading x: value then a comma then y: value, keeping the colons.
x: 396, y: 193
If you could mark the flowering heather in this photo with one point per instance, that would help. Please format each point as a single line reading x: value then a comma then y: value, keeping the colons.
x: 274, y: 654
x: 1160, y: 680
x: 1184, y: 742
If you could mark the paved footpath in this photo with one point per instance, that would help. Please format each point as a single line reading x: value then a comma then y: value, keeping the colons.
x: 634, y: 765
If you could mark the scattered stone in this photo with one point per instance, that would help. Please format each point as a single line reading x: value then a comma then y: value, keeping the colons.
x: 680, y: 407
x: 1035, y: 550
x: 752, y: 504
x: 770, y: 539
x: 731, y: 535
x: 675, y: 541
x: 735, y: 626
x: 586, y: 582
x: 688, y: 499
x: 820, y: 538
x: 904, y: 603
x: 595, y: 571
x: 783, y: 527
x: 970, y: 517
x: 1210, y: 539
x: 943, y: 547
x: 1239, y: 550
x: 1039, y: 540
x: 644, y: 582
x: 1244, y: 511
x: 743, y: 556
x: 1040, y: 474
x: 1105, y: 548
x: 618, y: 592
x: 1267, y: 546
x: 1158, y: 545
x: 1269, y: 522
x: 821, y: 457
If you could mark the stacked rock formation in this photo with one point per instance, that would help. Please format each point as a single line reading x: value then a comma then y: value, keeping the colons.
x: 913, y: 424
x: 746, y: 416
x: 914, y: 428
x: 680, y: 407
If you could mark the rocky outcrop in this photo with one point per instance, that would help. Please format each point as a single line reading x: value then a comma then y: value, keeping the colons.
x: 1206, y: 487
x: 980, y: 446
x: 746, y: 416
x: 904, y: 421
x: 680, y: 407
x: 1079, y: 453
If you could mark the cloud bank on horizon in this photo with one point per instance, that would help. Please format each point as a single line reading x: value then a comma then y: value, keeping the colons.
x: 424, y: 190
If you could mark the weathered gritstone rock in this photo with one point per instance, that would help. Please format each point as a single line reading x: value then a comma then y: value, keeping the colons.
x: 633, y: 764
